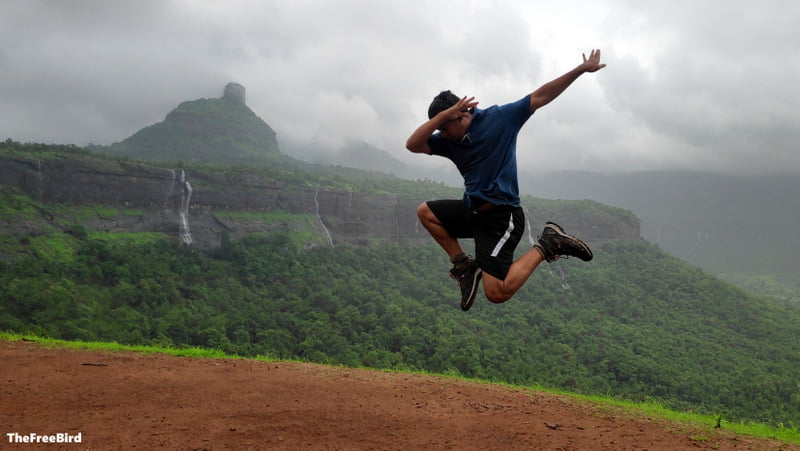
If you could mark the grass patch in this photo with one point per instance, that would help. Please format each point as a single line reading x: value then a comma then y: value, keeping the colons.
x: 82, y: 213
x: 112, y: 346
x: 698, y: 427
x: 300, y: 228
x: 15, y: 205
x: 270, y: 217
x: 55, y: 246
x: 132, y: 238
x: 710, y: 424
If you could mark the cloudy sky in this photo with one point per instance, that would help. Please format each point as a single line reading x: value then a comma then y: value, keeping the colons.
x: 704, y: 84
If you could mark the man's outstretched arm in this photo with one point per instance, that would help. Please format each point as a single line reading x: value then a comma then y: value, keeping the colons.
x: 552, y: 89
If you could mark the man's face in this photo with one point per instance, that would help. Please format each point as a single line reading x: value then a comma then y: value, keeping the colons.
x: 455, y: 129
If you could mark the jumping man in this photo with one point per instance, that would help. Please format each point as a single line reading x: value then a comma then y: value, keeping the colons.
x: 482, y: 144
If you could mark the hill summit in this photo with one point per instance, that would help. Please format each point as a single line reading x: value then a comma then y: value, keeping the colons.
x: 222, y: 130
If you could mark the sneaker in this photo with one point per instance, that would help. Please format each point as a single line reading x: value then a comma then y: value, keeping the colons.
x: 555, y: 243
x: 468, y: 275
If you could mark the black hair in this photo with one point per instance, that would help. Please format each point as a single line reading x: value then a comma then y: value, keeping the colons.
x: 441, y: 102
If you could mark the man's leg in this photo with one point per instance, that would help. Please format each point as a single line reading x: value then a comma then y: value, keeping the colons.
x: 552, y: 244
x: 437, y: 231
x: 465, y: 270
x: 498, y: 290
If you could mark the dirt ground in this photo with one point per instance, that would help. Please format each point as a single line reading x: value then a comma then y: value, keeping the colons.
x: 126, y: 400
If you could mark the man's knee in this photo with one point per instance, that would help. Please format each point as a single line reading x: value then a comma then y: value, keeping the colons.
x: 495, y: 292
x: 424, y: 212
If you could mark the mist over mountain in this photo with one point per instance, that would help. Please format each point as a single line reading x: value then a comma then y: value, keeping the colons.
x: 358, y: 155
x: 362, y: 155
x: 733, y: 225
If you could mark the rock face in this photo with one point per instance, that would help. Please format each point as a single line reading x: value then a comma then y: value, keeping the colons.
x: 198, y: 206
x: 235, y: 93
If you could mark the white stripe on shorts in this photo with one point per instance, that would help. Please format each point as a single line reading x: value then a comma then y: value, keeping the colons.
x: 505, y: 236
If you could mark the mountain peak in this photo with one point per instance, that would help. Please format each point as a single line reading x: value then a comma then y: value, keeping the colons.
x: 221, y: 130
x: 235, y: 92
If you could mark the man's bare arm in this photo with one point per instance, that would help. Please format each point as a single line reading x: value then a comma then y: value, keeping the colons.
x: 418, y: 141
x: 552, y: 89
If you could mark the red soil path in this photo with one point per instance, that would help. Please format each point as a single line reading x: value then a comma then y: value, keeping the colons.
x: 127, y: 400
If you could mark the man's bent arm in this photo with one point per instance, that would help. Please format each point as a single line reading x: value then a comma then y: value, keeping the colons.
x: 418, y: 141
x: 552, y: 89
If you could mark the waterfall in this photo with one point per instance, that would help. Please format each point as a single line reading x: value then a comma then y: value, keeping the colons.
x: 396, y: 220
x: 562, y: 275
x: 696, y: 243
x: 564, y: 283
x: 168, y: 200
x: 528, y: 227
x: 183, y: 207
x: 183, y: 213
x: 39, y: 179
x: 319, y: 218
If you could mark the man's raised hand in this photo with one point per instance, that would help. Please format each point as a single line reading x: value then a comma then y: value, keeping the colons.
x: 461, y: 107
x: 592, y: 64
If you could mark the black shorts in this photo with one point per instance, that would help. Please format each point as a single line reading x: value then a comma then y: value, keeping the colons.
x: 496, y: 231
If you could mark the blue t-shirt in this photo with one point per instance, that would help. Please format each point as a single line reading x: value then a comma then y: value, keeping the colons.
x: 487, y: 155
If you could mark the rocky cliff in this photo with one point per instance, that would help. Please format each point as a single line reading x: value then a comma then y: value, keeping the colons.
x: 201, y: 206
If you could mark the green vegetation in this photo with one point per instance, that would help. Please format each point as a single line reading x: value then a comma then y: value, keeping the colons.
x: 766, y: 285
x: 269, y: 217
x: 655, y: 409
x: 620, y: 409
x: 300, y: 229
x: 635, y: 324
x: 83, y: 213
x: 16, y: 206
x: 194, y: 352
x: 9, y: 147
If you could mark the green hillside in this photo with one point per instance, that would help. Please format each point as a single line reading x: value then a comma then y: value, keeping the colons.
x: 635, y: 323
x: 222, y: 130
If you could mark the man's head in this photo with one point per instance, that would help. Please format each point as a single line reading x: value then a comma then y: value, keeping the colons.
x: 454, y: 129
x: 441, y: 102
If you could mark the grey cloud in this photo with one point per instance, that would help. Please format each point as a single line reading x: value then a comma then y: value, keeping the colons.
x: 721, y: 85
x: 687, y: 84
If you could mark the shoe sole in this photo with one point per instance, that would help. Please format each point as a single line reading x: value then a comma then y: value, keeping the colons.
x: 466, y: 304
x: 560, y: 230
